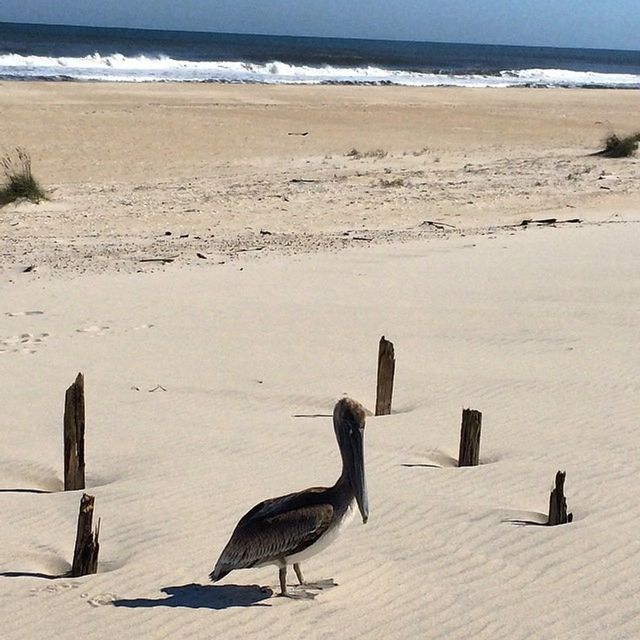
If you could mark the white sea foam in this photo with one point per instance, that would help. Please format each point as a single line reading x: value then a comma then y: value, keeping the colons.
x: 120, y: 68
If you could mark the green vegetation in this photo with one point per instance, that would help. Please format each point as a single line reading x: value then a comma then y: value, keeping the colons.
x: 19, y: 181
x: 376, y: 153
x: 616, y: 147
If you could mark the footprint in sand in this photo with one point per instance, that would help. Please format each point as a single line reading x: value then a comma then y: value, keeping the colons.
x: 16, y: 314
x: 53, y: 587
x: 94, y: 330
x: 100, y: 600
x: 23, y: 343
x: 101, y: 329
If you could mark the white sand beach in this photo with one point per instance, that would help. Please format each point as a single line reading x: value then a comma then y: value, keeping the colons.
x: 202, y: 375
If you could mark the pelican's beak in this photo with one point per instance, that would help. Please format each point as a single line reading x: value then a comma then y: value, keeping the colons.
x: 358, y: 478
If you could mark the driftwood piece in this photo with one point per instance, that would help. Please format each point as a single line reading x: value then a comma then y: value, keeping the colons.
x: 241, y: 250
x: 85, y: 554
x: 386, y: 371
x: 544, y: 221
x: 163, y: 260
x: 558, y: 503
x: 436, y: 225
x: 74, y: 435
x: 469, y: 455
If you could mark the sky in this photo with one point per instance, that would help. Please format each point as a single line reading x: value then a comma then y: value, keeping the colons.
x: 603, y: 24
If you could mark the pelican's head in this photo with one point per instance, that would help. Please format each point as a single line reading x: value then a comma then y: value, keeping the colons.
x: 348, y: 422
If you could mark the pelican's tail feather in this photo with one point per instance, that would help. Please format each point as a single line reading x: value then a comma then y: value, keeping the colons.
x: 219, y: 572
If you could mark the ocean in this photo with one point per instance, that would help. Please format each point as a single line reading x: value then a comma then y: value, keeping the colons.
x: 133, y: 55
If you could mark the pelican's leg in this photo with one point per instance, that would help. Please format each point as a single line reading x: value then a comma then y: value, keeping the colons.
x: 285, y: 593
x: 298, y: 570
x: 318, y: 584
x: 282, y: 574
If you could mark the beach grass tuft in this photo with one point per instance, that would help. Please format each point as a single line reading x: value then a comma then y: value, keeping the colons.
x: 393, y: 182
x: 19, y: 181
x: 357, y: 155
x: 617, y: 147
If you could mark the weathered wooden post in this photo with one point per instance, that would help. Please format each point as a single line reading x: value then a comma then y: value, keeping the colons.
x: 85, y: 554
x: 74, y: 435
x: 558, y: 503
x: 386, y: 371
x: 469, y: 454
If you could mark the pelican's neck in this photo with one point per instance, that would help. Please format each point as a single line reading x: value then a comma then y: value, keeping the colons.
x: 344, y: 486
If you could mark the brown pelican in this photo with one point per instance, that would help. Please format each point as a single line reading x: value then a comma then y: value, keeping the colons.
x: 292, y: 528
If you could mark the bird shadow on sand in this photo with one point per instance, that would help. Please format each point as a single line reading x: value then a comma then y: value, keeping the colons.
x: 197, y: 596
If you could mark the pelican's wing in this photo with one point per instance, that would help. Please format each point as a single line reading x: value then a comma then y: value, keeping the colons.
x: 271, y: 531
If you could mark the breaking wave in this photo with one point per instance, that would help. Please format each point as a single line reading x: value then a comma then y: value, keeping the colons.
x: 120, y: 68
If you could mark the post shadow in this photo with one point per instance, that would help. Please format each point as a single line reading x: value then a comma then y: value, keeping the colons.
x: 535, y: 519
x: 25, y: 491
x: 198, y: 596
x: 426, y: 465
x: 32, y: 574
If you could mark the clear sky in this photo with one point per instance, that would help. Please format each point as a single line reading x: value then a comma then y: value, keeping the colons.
x: 613, y: 24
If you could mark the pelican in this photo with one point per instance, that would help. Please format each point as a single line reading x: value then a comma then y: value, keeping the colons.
x: 287, y: 530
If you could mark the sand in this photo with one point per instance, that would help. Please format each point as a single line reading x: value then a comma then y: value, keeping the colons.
x: 198, y: 372
x: 125, y: 165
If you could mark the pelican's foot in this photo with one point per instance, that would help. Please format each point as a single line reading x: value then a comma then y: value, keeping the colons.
x: 321, y: 585
x: 297, y: 593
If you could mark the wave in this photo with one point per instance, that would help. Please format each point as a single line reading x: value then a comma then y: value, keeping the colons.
x: 120, y: 68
